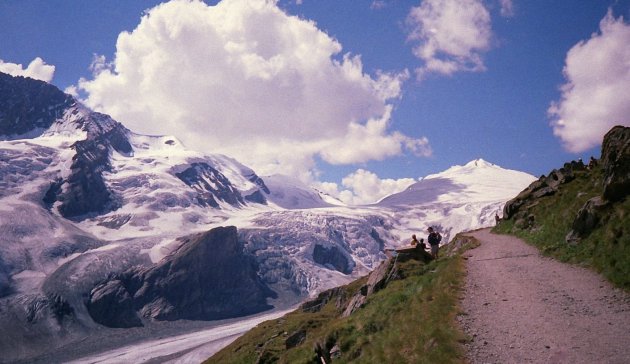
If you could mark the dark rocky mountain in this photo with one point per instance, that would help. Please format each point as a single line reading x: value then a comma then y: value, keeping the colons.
x: 85, y: 192
x: 209, y: 277
x: 29, y: 107
x: 211, y: 185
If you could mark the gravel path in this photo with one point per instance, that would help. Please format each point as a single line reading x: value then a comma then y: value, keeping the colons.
x: 520, y: 307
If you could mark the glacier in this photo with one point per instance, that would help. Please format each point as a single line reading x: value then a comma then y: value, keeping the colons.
x: 84, y: 200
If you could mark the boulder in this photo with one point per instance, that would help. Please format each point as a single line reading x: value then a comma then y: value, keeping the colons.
x: 615, y: 162
x: 588, y: 217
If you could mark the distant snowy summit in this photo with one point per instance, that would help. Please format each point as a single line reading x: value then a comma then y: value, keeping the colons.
x: 476, y: 181
x: 291, y: 193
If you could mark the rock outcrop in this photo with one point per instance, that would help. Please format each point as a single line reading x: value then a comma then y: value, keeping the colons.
x: 85, y: 191
x: 611, y: 173
x: 207, y: 278
x: 30, y: 107
x: 616, y: 163
x: 377, y: 280
x: 210, y: 185
x: 589, y: 216
x: 544, y: 186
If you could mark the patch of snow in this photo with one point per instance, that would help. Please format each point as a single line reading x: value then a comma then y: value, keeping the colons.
x: 161, y: 249
x: 29, y: 274
x: 65, y: 260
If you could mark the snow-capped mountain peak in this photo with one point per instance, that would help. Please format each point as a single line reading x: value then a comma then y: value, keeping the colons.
x: 291, y: 193
x: 477, y: 180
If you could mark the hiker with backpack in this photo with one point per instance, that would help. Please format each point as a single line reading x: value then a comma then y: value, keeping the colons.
x: 434, y: 239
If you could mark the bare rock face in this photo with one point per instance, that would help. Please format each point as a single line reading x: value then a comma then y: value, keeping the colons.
x: 29, y: 106
x: 544, y: 186
x: 377, y: 280
x: 207, y: 278
x: 210, y: 185
x: 84, y: 191
x: 333, y: 256
x: 113, y: 294
x: 616, y: 163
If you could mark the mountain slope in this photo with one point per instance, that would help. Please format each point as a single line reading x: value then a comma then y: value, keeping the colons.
x: 406, y: 314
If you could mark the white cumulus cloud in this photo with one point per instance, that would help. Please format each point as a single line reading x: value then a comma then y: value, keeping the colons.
x: 450, y: 35
x: 595, y: 96
x: 364, y: 187
x: 246, y: 79
x: 37, y: 69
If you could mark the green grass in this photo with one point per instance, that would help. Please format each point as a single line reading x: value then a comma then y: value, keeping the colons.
x: 412, y: 320
x: 606, y: 249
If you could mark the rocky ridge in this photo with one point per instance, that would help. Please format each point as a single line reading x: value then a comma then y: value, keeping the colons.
x: 615, y: 166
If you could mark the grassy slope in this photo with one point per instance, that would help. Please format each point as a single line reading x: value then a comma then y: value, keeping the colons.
x: 606, y: 249
x: 412, y: 320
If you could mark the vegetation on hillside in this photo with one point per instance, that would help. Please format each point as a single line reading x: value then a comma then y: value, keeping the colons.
x: 607, y: 246
x: 411, y: 320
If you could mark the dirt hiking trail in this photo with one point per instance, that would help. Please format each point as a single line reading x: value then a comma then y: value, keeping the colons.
x: 521, y: 307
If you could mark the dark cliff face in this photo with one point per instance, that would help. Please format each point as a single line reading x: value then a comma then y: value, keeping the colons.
x: 259, y: 182
x: 208, y: 278
x: 334, y: 257
x: 28, y: 105
x: 616, y: 162
x: 210, y: 185
x: 84, y: 191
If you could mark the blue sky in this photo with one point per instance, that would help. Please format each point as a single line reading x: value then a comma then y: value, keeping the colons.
x: 488, y: 98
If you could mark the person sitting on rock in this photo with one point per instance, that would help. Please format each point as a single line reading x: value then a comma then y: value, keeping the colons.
x: 418, y: 244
